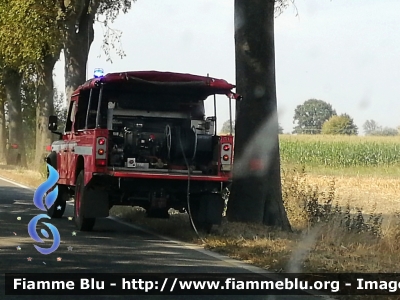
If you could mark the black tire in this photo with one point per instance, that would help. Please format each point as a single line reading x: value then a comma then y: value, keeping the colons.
x: 61, y: 202
x: 157, y: 213
x: 205, y: 227
x: 82, y: 223
x: 58, y: 208
x: 201, y: 216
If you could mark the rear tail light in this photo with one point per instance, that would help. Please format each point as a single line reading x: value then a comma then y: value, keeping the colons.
x: 101, y: 152
x: 48, y: 148
x: 101, y: 162
x: 226, y: 153
x: 226, y: 156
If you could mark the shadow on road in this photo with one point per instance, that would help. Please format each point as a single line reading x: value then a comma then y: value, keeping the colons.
x: 110, y: 248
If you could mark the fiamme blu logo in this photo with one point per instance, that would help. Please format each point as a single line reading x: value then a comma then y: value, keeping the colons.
x: 49, y: 200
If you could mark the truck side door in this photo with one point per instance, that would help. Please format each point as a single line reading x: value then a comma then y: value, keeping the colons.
x: 60, y: 147
x: 68, y: 136
x: 80, y: 142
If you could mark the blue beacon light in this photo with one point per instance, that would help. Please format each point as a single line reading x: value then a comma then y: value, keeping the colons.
x: 98, y: 73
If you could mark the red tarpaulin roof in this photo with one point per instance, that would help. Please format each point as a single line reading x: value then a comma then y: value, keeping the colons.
x: 166, y: 80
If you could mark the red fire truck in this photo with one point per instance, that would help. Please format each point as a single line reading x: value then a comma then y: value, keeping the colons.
x: 142, y: 139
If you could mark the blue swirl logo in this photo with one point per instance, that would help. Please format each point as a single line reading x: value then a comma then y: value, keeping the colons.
x: 50, y: 199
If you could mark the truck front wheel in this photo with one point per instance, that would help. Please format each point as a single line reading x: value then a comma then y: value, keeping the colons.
x: 82, y: 223
x: 58, y: 208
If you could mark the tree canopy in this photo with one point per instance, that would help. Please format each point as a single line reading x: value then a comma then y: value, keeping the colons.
x: 310, y: 116
x: 32, y: 35
x: 342, y: 124
x: 226, y: 127
x: 28, y: 32
x: 371, y: 127
x: 387, y: 131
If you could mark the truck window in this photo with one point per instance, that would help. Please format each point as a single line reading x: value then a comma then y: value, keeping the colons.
x: 158, y: 102
x: 91, y: 122
x: 70, y: 117
x: 80, y: 117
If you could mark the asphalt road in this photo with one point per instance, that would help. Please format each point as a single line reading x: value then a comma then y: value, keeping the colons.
x: 112, y: 247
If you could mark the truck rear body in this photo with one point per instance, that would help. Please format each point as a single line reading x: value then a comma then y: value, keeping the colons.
x: 142, y: 137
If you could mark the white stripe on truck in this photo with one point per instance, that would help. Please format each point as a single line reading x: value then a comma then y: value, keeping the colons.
x: 84, y: 150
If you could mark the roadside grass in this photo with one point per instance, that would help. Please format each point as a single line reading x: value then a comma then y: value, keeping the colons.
x: 23, y: 176
x: 326, y: 237
x: 340, y: 224
x: 381, y: 172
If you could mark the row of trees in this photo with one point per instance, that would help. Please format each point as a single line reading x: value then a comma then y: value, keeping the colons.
x: 32, y: 35
x: 318, y: 117
x: 371, y: 127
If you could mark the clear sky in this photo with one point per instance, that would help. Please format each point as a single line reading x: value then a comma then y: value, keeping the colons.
x: 346, y: 53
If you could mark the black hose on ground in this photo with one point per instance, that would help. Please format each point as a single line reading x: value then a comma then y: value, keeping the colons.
x: 188, y: 189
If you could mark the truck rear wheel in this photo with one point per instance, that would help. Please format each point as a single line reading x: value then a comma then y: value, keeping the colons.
x: 201, y: 226
x: 82, y: 223
x: 160, y: 213
x: 206, y: 210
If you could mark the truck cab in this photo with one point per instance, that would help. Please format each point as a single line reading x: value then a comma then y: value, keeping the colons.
x: 141, y: 138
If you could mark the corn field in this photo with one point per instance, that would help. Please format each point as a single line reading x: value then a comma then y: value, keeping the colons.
x: 340, y: 151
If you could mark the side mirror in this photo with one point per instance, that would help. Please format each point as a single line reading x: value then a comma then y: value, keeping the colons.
x: 53, y: 120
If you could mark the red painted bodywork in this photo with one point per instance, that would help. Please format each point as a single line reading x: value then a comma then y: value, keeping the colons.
x: 136, y: 174
x: 207, y: 85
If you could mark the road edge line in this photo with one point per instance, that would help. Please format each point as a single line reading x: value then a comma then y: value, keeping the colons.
x: 17, y: 184
x: 227, y: 259
x: 224, y: 258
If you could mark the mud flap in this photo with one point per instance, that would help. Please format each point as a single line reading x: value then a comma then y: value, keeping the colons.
x: 96, y: 204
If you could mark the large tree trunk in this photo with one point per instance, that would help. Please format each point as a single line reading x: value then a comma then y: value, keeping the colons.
x: 256, y: 190
x: 76, y: 52
x: 44, y: 108
x: 3, y: 134
x: 12, y: 83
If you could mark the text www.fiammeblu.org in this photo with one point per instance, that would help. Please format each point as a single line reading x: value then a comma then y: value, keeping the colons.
x: 230, y: 284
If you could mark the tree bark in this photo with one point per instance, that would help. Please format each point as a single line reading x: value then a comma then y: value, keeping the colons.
x: 76, y: 52
x: 3, y: 135
x: 44, y: 108
x: 256, y: 194
x: 12, y: 83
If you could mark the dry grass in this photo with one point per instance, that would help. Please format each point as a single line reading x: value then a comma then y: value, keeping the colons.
x: 341, y: 224
x: 23, y: 176
x: 330, y: 233
x: 376, y: 194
